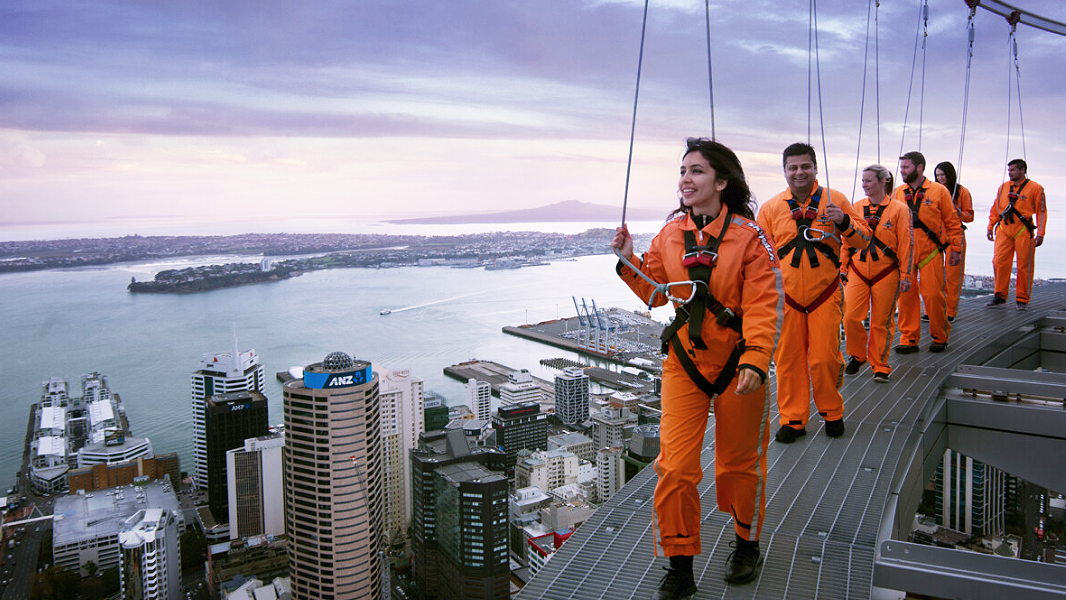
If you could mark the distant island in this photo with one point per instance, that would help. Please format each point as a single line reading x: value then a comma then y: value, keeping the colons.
x: 568, y: 211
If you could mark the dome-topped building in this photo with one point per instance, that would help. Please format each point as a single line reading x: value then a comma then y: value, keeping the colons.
x: 338, y: 361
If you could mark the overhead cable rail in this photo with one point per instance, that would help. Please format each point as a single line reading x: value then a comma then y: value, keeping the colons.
x: 1025, y: 17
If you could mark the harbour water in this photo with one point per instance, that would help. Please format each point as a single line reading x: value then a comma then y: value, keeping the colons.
x: 68, y: 322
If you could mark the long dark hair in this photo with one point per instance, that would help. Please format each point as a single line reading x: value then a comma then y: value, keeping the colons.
x: 736, y: 196
x: 951, y: 177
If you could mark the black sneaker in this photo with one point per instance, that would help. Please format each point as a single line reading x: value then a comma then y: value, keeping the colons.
x: 834, y: 429
x: 1023, y: 306
x: 906, y: 349
x: 925, y: 318
x: 880, y: 377
x: 938, y: 346
x: 787, y: 435
x: 677, y: 583
x: 854, y: 365
x: 996, y: 300
x: 951, y: 318
x: 743, y: 563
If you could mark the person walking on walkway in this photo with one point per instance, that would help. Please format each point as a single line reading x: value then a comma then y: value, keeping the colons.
x: 960, y: 197
x: 723, y: 275
x: 1011, y: 227
x: 875, y: 274
x: 937, y: 230
x: 807, y: 223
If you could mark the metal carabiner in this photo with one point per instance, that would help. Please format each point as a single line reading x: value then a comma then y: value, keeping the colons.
x: 691, y: 295
x: 821, y: 238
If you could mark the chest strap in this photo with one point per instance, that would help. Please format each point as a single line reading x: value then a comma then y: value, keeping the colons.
x: 799, y: 245
x: 873, y: 218
x: 914, y: 202
x: 700, y: 259
x: 813, y: 306
x: 1008, y: 215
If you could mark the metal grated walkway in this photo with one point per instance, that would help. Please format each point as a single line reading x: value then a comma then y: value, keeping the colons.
x: 827, y: 500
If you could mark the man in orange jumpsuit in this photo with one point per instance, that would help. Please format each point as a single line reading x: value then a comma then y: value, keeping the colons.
x: 960, y: 196
x: 936, y: 229
x: 1011, y: 227
x: 876, y: 273
x: 807, y: 223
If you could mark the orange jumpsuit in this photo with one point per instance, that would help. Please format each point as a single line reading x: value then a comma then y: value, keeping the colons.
x: 937, y: 212
x: 808, y: 350
x: 874, y: 276
x: 1014, y: 238
x: 744, y: 280
x: 954, y: 275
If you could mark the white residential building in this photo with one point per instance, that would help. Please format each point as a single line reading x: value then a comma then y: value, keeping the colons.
x: 402, y: 398
x: 547, y: 470
x: 611, y: 473
x: 479, y: 399
x: 519, y: 388
x: 256, y: 488
x: 572, y: 395
x: 151, y: 562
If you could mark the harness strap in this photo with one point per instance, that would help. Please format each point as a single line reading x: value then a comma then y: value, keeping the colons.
x: 700, y: 260
x: 914, y: 202
x: 729, y: 370
x: 873, y: 219
x: 881, y: 275
x: 928, y: 259
x: 800, y: 245
x: 813, y: 306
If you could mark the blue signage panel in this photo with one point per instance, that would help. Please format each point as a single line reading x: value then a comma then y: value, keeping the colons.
x: 323, y: 381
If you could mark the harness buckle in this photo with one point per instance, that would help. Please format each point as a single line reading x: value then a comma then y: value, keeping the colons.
x: 695, y: 258
x: 810, y: 213
x: 724, y: 316
x: 872, y: 221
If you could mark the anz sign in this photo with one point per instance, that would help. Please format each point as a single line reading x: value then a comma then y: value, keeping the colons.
x: 345, y: 379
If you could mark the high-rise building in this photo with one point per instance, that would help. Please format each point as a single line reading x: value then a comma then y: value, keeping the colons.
x: 479, y: 398
x: 255, y: 487
x: 519, y: 389
x: 229, y: 419
x: 971, y: 496
x: 223, y: 373
x: 459, y: 527
x: 610, y: 425
x: 518, y: 427
x: 402, y: 398
x: 572, y: 395
x: 334, y: 501
x: 151, y: 563
x: 436, y: 412
x: 610, y: 473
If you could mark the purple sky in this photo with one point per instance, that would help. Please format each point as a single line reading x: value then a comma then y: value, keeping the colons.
x: 257, y: 111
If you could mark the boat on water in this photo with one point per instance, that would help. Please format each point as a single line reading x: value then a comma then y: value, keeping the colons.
x: 386, y: 312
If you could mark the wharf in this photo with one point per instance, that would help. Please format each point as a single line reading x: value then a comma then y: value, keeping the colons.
x: 605, y: 377
x: 494, y: 373
x: 625, y: 336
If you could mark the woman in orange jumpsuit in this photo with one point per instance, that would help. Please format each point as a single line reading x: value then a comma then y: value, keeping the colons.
x: 720, y: 346
x: 960, y: 197
x: 876, y: 273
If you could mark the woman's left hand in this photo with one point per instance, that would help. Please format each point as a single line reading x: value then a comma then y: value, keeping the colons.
x: 748, y: 381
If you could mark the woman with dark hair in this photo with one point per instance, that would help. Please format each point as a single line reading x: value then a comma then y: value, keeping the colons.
x: 960, y: 197
x: 876, y: 272
x: 718, y: 268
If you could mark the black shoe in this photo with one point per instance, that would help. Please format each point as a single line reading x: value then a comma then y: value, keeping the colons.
x: 997, y: 300
x: 1023, y: 306
x: 743, y: 563
x: 906, y: 349
x: 880, y: 377
x: 854, y: 365
x: 677, y: 583
x: 834, y: 429
x: 787, y: 435
x: 925, y: 318
x: 951, y: 319
x: 938, y: 346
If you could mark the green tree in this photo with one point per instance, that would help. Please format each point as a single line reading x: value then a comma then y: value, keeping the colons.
x: 193, y: 548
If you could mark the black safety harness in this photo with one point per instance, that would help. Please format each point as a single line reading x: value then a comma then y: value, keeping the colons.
x: 914, y: 202
x: 700, y: 260
x: 873, y: 218
x: 800, y: 245
x: 1010, y: 213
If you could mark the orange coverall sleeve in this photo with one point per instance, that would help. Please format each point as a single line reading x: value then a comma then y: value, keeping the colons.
x: 856, y: 231
x: 993, y: 215
x: 952, y: 224
x: 759, y: 302
x: 651, y: 264
x: 964, y: 207
x: 1040, y: 204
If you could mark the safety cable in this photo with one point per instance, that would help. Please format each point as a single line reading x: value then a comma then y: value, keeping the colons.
x: 821, y: 113
x: 966, y: 89
x: 1018, y: 83
x: 633, y: 126
x: 862, y: 101
x: 921, y: 95
x: 910, y: 90
x: 710, y: 71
